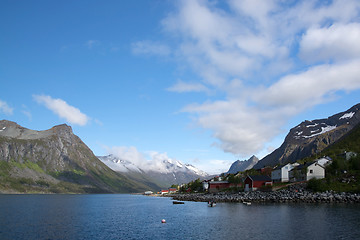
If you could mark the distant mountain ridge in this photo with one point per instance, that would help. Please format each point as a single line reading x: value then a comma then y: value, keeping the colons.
x: 165, y: 172
x: 240, y: 166
x: 54, y: 161
x: 310, y: 137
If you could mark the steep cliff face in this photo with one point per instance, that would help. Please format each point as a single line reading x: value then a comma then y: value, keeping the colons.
x: 240, y: 166
x: 310, y: 137
x: 54, y: 160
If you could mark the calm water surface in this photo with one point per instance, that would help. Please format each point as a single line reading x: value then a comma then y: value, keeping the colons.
x: 139, y: 217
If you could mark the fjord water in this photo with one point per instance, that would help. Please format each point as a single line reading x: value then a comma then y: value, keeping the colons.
x: 120, y: 216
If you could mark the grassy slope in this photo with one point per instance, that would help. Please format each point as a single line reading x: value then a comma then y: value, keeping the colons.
x: 342, y: 175
x: 84, y: 173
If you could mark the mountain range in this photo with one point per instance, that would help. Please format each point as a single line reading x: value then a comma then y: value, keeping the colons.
x: 164, y: 172
x: 311, y: 137
x: 56, y: 161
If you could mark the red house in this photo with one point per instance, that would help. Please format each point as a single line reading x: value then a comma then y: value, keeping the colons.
x: 217, y: 186
x: 254, y: 182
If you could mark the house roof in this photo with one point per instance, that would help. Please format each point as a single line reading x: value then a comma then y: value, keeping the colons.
x: 307, y: 164
x: 260, y: 178
x: 283, y: 165
x: 218, y: 182
x: 280, y: 166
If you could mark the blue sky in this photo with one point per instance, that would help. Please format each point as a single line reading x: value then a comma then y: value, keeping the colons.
x: 203, y: 82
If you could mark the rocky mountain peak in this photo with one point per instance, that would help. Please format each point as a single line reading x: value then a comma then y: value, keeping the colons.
x: 240, y: 166
x: 13, y: 130
x: 62, y: 130
x: 309, y: 129
x: 310, y: 137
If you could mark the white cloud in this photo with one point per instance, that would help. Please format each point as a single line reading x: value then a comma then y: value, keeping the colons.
x: 92, y: 43
x: 150, y: 48
x: 130, y: 154
x: 98, y: 122
x: 5, y: 108
x: 182, y: 87
x: 337, y: 42
x: 264, y: 55
x: 312, y: 86
x: 147, y: 161
x: 240, y: 129
x: 26, y: 111
x: 63, y: 109
x: 214, y: 166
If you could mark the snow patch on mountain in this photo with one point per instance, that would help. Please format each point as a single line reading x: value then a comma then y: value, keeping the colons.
x: 196, y: 170
x: 314, y: 125
x: 347, y: 115
x: 156, y: 164
x: 323, y: 130
x: 119, y: 165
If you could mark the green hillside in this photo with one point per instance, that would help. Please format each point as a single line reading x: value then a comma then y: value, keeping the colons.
x: 56, y: 161
x: 342, y: 175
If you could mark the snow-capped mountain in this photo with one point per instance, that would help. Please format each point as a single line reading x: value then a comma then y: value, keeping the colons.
x: 310, y: 137
x: 119, y: 165
x: 164, y: 171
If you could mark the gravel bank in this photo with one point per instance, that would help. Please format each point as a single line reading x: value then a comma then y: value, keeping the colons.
x: 292, y: 195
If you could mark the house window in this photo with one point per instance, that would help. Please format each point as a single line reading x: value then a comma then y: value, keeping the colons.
x: 311, y: 171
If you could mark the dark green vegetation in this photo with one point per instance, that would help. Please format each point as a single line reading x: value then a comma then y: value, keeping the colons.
x: 193, y: 186
x: 343, y: 175
x: 56, y: 161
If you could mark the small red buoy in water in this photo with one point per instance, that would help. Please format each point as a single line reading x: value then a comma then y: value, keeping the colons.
x: 163, y: 221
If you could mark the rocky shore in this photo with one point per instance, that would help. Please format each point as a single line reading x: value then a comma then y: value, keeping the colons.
x: 294, y: 194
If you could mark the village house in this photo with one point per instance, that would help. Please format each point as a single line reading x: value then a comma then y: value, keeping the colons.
x: 164, y: 191
x: 325, y: 161
x: 217, y: 186
x: 307, y: 171
x: 254, y: 182
x: 265, y: 171
x: 173, y: 190
x: 348, y: 155
x: 281, y: 173
x: 205, y: 185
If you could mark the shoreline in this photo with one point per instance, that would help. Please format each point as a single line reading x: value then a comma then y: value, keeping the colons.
x: 280, y: 196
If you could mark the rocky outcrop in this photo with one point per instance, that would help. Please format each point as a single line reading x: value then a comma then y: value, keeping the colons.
x: 311, y: 137
x: 240, y: 166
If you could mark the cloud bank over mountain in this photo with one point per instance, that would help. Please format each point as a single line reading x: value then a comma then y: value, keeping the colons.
x: 270, y: 60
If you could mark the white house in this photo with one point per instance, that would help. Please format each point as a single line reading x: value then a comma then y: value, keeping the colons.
x: 324, y: 161
x: 281, y: 173
x: 205, y: 185
x: 307, y: 171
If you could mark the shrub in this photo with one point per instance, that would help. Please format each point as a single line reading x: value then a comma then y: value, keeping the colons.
x: 316, y: 185
x: 266, y: 188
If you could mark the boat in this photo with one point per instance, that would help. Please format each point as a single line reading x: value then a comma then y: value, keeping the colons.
x: 247, y: 203
x: 211, y: 204
x: 178, y: 202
